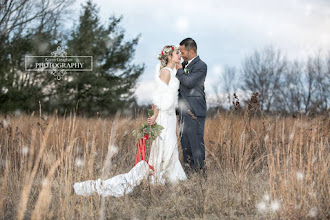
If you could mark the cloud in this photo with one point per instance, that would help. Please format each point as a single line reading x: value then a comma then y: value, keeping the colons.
x: 182, y: 24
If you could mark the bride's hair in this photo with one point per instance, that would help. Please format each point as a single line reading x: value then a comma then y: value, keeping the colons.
x: 167, y: 50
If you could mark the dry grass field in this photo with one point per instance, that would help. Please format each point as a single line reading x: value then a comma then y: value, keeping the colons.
x: 266, y: 167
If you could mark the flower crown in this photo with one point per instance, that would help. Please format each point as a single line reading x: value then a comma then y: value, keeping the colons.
x: 165, y: 52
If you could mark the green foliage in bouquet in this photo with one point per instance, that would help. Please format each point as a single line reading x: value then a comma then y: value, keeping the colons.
x: 153, y: 131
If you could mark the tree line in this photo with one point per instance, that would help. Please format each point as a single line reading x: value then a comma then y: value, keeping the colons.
x: 283, y: 85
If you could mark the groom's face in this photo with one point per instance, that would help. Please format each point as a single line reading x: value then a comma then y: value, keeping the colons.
x: 184, y: 53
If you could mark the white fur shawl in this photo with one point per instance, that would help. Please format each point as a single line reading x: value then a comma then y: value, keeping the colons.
x: 165, y: 97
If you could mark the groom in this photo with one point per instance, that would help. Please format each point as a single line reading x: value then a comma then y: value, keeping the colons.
x: 192, y: 104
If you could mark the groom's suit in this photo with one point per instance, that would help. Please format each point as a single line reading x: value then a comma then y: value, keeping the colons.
x: 192, y: 96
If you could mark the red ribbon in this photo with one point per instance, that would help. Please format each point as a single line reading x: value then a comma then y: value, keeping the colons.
x: 141, y: 151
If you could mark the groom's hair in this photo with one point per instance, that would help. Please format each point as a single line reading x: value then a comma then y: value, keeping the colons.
x: 189, y: 44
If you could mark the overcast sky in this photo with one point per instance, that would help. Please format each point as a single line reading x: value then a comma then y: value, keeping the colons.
x: 225, y: 31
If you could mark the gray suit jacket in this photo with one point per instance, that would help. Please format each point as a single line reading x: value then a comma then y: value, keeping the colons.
x: 191, y: 90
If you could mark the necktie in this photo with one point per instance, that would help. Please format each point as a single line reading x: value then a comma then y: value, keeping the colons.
x: 184, y: 64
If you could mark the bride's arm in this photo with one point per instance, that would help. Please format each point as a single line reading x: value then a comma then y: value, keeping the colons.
x: 153, y: 118
x: 165, y: 76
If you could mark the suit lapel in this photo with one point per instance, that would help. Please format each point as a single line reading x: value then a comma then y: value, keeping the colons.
x: 193, y: 62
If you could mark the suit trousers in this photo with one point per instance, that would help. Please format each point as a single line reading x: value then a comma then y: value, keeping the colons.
x: 192, y: 140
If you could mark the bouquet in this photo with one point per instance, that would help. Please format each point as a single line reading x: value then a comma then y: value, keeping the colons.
x: 144, y: 133
x: 149, y: 131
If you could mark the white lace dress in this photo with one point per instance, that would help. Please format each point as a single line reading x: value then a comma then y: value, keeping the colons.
x: 164, y: 155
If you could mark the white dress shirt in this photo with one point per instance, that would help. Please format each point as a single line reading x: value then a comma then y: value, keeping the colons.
x: 190, y: 60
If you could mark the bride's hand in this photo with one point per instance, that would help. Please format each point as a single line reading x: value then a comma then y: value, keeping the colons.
x: 178, y: 66
x: 151, y: 120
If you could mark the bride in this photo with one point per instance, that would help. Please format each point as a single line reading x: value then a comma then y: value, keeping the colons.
x: 164, y: 156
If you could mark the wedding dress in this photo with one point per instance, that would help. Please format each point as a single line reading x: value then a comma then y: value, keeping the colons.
x: 164, y: 156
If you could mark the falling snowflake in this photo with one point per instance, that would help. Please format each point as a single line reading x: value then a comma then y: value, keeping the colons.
x: 44, y: 182
x: 291, y: 136
x: 17, y: 112
x: 314, y: 159
x: 261, y: 206
x: 5, y: 123
x: 79, y: 162
x: 25, y: 150
x: 313, y: 212
x: 266, y: 138
x: 275, y: 205
x: 113, y: 150
x: 266, y: 197
x: 4, y: 90
x: 300, y: 175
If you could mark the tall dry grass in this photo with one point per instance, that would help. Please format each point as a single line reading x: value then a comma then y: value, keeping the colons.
x: 257, y: 168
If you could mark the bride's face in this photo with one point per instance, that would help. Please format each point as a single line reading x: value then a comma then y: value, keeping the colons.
x: 176, y: 56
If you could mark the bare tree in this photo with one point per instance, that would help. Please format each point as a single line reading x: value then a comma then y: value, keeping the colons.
x: 327, y: 81
x: 18, y: 14
x: 262, y: 73
x: 226, y: 85
x: 310, y: 81
x: 229, y: 82
x: 218, y: 99
x: 292, y: 88
x: 26, y: 27
x: 318, y: 82
x: 323, y: 84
